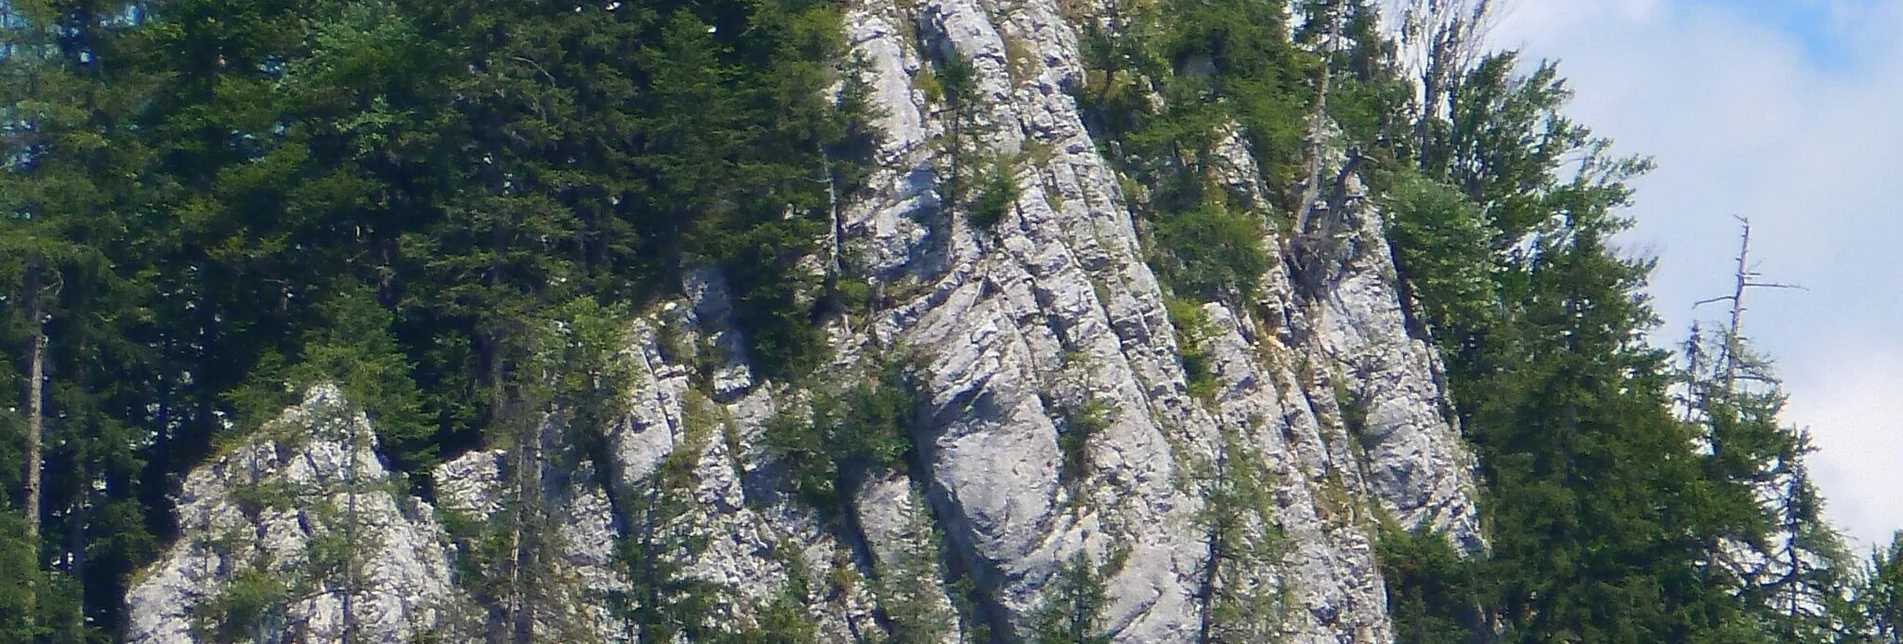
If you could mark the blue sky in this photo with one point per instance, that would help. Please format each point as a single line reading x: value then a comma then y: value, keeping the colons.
x: 1786, y: 112
x: 1818, y: 26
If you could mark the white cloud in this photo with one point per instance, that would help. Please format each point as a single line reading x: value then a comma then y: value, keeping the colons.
x: 1857, y: 414
x: 1746, y: 117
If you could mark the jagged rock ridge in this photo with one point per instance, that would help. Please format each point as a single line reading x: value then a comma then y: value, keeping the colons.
x: 301, y: 534
x: 1008, y: 334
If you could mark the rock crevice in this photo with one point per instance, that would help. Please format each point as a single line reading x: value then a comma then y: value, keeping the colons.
x: 1325, y: 409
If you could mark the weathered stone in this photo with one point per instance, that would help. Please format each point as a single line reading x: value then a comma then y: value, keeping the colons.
x: 1011, y: 336
x: 302, y: 505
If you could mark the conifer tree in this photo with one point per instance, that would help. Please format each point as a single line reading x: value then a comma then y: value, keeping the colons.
x: 65, y: 165
x: 443, y: 206
x: 1602, y: 529
x: 1878, y: 599
x: 1073, y: 603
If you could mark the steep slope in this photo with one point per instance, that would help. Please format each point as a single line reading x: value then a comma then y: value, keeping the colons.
x: 1051, y: 422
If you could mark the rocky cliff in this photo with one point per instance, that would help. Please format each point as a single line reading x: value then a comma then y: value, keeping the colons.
x: 1054, y: 433
x: 298, y: 535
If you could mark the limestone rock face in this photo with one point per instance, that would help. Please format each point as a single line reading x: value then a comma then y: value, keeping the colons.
x: 299, y: 536
x: 1414, y: 460
x: 1053, y: 423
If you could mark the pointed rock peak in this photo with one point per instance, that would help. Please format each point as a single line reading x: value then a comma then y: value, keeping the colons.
x: 298, y: 534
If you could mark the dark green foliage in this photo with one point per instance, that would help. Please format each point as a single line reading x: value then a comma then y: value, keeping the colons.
x: 1238, y: 524
x: 847, y: 436
x: 1367, y: 98
x: 1259, y: 75
x: 1434, y: 591
x: 985, y: 193
x: 997, y: 196
x: 910, y: 603
x: 356, y: 351
x: 1080, y: 427
x: 1212, y: 254
x: 1801, y: 584
x: 1441, y: 242
x: 68, y: 87
x: 1354, y: 415
x: 1608, y: 522
x: 784, y: 621
x: 801, y: 445
x: 1508, y: 145
x: 1879, y: 598
x: 237, y: 200
x: 448, y: 206
x: 1231, y: 59
x: 663, y: 601
x: 245, y: 609
x: 1192, y: 331
x: 956, y: 82
x: 588, y: 376
x: 1213, y: 63
x: 480, y: 551
x: 1073, y: 604
x: 1574, y: 439
x: 18, y: 609
x: 784, y: 341
x: 965, y: 599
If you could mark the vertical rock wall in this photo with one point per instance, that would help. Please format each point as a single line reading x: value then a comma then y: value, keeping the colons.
x: 1326, y: 413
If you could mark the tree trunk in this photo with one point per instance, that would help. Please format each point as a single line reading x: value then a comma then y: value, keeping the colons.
x: 76, y: 540
x: 1731, y: 349
x: 350, y: 536
x: 79, y: 514
x: 35, y: 377
x: 1318, y: 122
x: 524, y: 569
x: 1212, y: 576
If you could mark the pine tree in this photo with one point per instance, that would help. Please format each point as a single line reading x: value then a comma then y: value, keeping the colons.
x: 1777, y: 553
x: 64, y: 184
x: 1604, y: 514
x: 444, y: 206
x: 1073, y: 603
x: 1879, y: 596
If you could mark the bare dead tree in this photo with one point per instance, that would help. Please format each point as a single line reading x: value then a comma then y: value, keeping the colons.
x: 35, y: 411
x: 1318, y: 120
x: 1745, y: 278
x: 1440, y: 40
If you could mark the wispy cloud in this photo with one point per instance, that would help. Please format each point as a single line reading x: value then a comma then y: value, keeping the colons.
x: 1755, y: 108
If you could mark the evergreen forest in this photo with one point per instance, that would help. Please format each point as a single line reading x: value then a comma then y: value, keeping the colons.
x: 211, y: 205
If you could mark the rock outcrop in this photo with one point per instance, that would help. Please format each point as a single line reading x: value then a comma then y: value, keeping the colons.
x: 299, y: 535
x: 1258, y: 495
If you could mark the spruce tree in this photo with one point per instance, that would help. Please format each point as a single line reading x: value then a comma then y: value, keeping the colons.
x: 1879, y: 595
x: 66, y: 169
